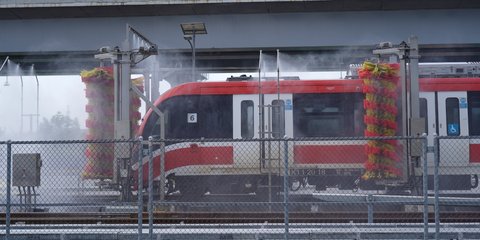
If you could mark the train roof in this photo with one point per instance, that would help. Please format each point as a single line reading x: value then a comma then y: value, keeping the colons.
x: 309, y: 86
x: 267, y: 87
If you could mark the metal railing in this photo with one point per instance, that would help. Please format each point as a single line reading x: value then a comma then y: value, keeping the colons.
x: 306, y: 188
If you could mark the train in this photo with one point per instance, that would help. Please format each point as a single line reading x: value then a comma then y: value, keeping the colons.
x: 246, y: 110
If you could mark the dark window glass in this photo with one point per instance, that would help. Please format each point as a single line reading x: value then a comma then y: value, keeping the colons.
x: 247, y: 119
x: 328, y: 115
x: 278, y: 119
x: 213, y: 117
x: 453, y: 116
x: 474, y: 113
x: 424, y: 112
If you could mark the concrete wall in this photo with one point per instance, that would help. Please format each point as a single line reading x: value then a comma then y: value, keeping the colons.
x: 281, y: 30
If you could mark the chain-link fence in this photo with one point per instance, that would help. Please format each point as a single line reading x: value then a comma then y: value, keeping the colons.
x: 322, y: 188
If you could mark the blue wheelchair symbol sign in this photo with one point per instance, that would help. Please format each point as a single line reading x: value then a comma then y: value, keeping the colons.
x: 288, y: 104
x: 453, y: 129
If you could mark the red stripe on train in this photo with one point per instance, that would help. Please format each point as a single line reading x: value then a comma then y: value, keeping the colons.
x: 475, y: 153
x: 193, y: 156
x: 329, y: 154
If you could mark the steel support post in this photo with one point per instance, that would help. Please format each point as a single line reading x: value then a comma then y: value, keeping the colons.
x: 193, y: 57
x: 370, y: 200
x: 162, y: 169
x: 147, y: 87
x: 425, y: 187
x: 404, y: 90
x: 9, y: 190
x: 414, y: 84
x: 150, y: 188
x: 140, y: 188
x: 122, y: 117
x: 285, y: 188
x: 436, y: 185
x: 122, y: 83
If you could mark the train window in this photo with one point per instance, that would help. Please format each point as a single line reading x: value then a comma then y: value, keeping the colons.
x: 216, y: 116
x: 328, y: 115
x: 453, y: 116
x: 359, y: 126
x: 474, y: 113
x: 247, y: 119
x: 278, y: 119
x: 424, y: 112
x: 213, y: 117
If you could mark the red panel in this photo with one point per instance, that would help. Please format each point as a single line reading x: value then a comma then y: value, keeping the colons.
x: 475, y: 153
x: 329, y: 154
x: 449, y: 84
x: 193, y: 156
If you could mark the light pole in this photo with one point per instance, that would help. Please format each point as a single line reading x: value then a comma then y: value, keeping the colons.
x: 190, y: 30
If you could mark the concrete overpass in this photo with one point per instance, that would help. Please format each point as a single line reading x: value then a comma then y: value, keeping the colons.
x: 61, y: 36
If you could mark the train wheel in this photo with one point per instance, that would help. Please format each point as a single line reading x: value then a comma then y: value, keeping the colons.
x: 474, y: 181
x: 297, y: 183
x: 170, y: 185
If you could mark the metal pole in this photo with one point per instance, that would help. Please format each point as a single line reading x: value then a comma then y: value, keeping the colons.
x: 404, y: 90
x: 38, y: 100
x: 9, y: 189
x: 370, y: 208
x: 285, y: 189
x: 148, y: 81
x: 140, y: 188
x: 4, y: 62
x: 162, y: 169
x: 278, y: 75
x: 150, y: 188
x: 193, y: 56
x: 425, y: 187
x: 436, y: 185
x: 21, y: 104
x: 261, y: 109
x: 269, y: 158
x: 414, y: 86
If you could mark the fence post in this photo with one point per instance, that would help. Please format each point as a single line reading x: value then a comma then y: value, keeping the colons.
x: 162, y: 170
x: 425, y: 186
x: 9, y: 190
x: 370, y: 200
x: 150, y: 188
x: 285, y: 188
x: 140, y: 188
x: 436, y: 185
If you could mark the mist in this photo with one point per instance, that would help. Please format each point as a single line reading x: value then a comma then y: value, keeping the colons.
x: 56, y: 94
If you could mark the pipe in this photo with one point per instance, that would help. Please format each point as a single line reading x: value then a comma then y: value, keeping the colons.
x: 4, y: 62
x: 38, y: 100
x: 21, y: 104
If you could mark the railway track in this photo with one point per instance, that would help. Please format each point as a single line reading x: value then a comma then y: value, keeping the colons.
x: 231, y: 218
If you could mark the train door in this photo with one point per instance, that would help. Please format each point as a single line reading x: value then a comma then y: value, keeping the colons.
x: 453, y: 121
x: 245, y: 126
x: 427, y: 112
x: 278, y: 120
